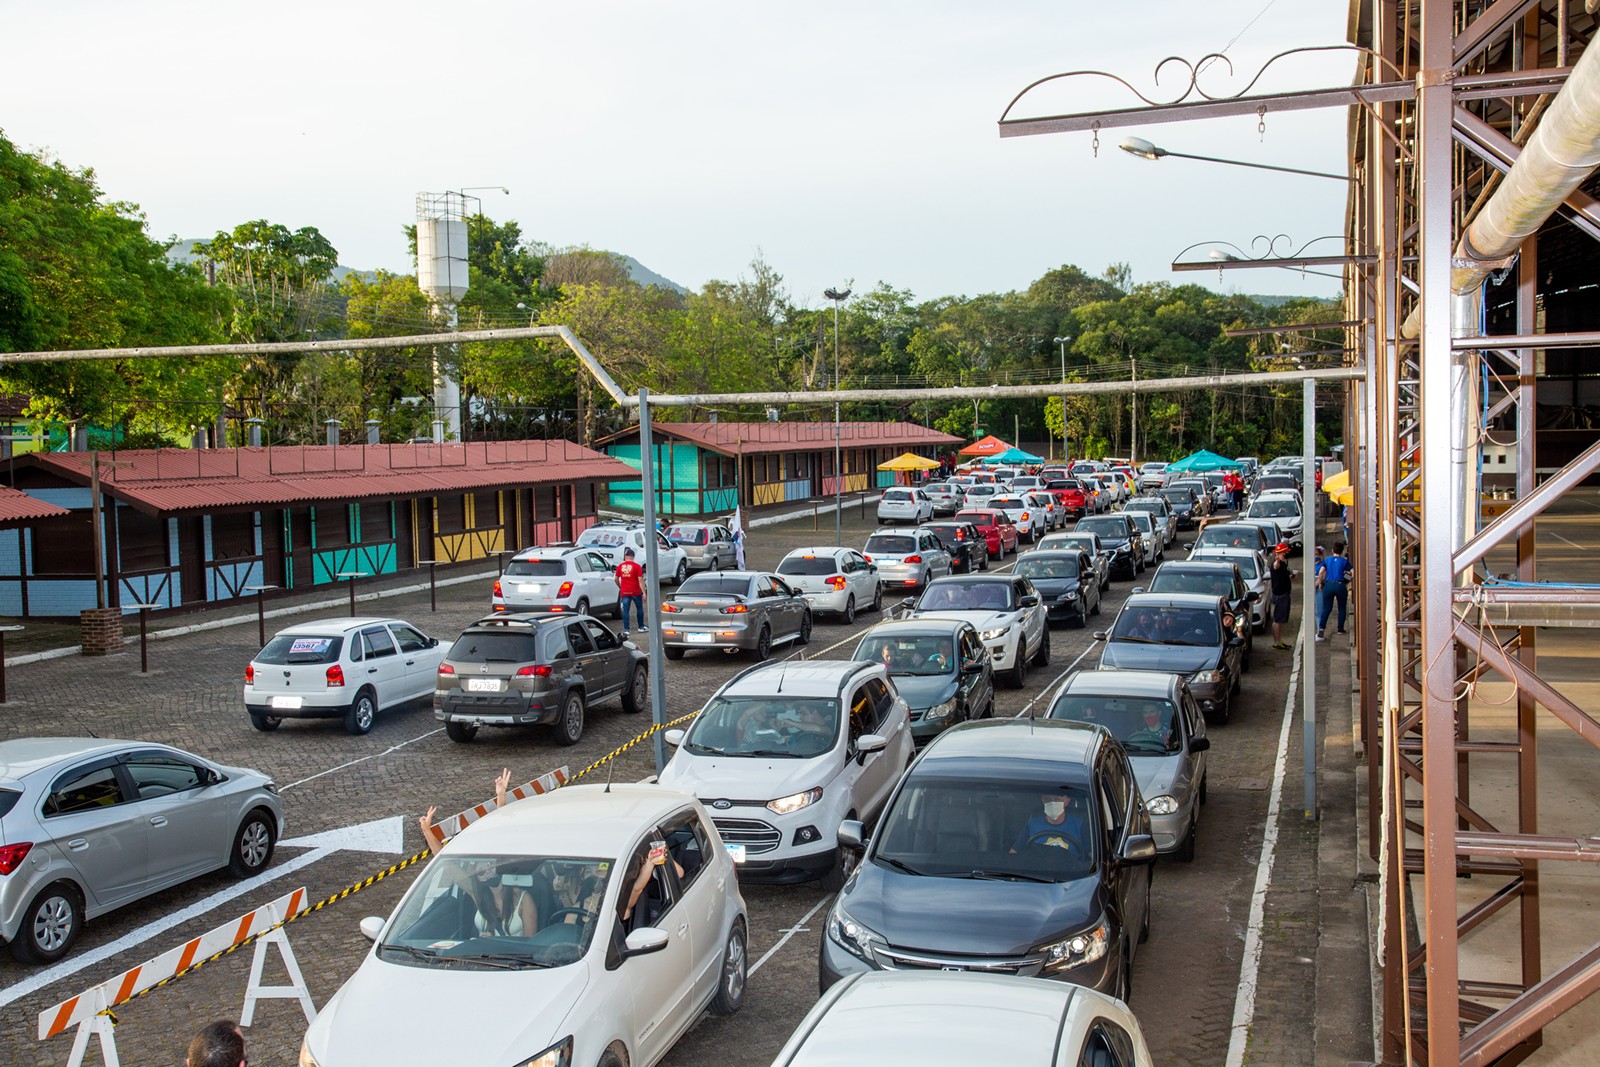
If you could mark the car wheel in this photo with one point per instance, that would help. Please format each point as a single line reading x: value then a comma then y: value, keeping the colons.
x: 1042, y: 657
x: 252, y: 845
x: 735, y: 971
x: 805, y: 630
x: 1185, y: 852
x: 983, y: 566
x: 569, y: 727
x: 849, y: 609
x: 1202, y: 790
x: 461, y: 732
x: 1234, y: 688
x: 265, y: 723
x: 1096, y: 609
x: 844, y: 863
x: 609, y: 1059
x: 1144, y: 923
x: 1224, y: 709
x: 636, y: 697
x: 763, y: 647
x: 673, y: 653
x: 1125, y: 979
x: 582, y: 606
x: 877, y: 597
x: 358, y: 720
x: 1244, y: 660
x: 50, y: 925
x: 1019, y: 669
x: 681, y: 573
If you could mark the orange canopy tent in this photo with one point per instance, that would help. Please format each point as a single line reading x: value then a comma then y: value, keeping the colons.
x: 989, y: 446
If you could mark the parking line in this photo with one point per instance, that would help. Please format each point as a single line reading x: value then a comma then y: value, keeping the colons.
x: 1052, y: 683
x: 787, y: 934
x: 363, y: 759
x: 1244, y: 1007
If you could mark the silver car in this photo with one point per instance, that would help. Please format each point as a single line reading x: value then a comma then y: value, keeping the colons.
x: 907, y: 559
x: 749, y: 610
x: 1161, y: 728
x: 1253, y: 569
x: 1154, y: 546
x: 904, y: 505
x: 947, y: 497
x: 89, y: 825
x: 707, y: 546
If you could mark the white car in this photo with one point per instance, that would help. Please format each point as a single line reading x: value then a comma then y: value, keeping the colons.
x: 904, y: 505
x: 566, y: 579
x: 348, y: 669
x: 979, y: 495
x: 1154, y: 543
x: 908, y: 559
x: 784, y: 753
x: 609, y: 538
x: 1005, y: 609
x: 1282, y: 506
x: 929, y: 1017
x: 1253, y: 569
x: 519, y: 921
x: 835, y: 580
x: 1152, y: 476
x: 1025, y: 514
x: 1055, y: 514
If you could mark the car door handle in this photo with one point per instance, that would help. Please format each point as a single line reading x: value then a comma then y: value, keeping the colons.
x: 372, y: 670
x: 721, y: 883
x: 411, y: 663
x: 78, y: 844
x: 158, y: 820
x: 683, y: 929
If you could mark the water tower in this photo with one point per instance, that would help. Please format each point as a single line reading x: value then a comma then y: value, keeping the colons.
x: 442, y: 276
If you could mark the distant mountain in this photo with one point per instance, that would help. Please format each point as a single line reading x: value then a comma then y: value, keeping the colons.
x: 647, y: 277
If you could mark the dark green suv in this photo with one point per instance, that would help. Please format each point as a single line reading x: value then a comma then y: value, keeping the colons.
x: 522, y: 669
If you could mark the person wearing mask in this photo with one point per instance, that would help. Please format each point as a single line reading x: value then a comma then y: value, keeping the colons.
x: 1060, y: 823
x: 1335, y: 587
x: 1153, y: 732
x: 218, y: 1044
x: 1282, y: 586
x: 630, y: 588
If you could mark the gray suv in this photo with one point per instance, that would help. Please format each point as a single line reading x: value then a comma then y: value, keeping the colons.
x: 526, y: 669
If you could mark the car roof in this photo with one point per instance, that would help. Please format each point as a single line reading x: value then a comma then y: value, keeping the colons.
x: 1122, y: 683
x: 929, y: 625
x: 1278, y: 494
x: 972, y: 579
x: 1049, y: 552
x: 1170, y: 600
x: 553, y: 550
x: 338, y: 626
x: 1193, y: 565
x: 575, y: 820
x: 23, y: 756
x: 806, y: 678
x: 1041, y: 740
x: 817, y: 550
x: 531, y: 619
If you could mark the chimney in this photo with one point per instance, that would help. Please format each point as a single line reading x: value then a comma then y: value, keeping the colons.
x: 255, y: 432
x: 372, y: 431
x: 438, y: 431
x: 333, y: 431
x: 199, y: 438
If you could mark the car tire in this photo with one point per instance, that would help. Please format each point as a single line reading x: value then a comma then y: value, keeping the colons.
x: 804, y: 637
x: 985, y: 564
x: 265, y: 723
x: 363, y: 709
x: 609, y: 1059
x: 1018, y: 674
x: 1041, y: 658
x: 1202, y: 790
x: 1223, y: 711
x: 582, y: 606
x: 50, y: 925
x: 1096, y: 609
x: 673, y: 653
x: 849, y: 613
x: 1185, y: 851
x: 763, y: 649
x: 844, y: 863
x: 1124, y: 991
x: 252, y: 845
x: 636, y: 697
x: 681, y: 573
x: 735, y: 973
x: 569, y: 727
x: 1144, y: 923
x: 460, y: 732
x: 877, y: 597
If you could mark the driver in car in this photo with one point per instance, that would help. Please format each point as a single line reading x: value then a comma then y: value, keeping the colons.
x: 1061, y: 824
x: 1152, y: 731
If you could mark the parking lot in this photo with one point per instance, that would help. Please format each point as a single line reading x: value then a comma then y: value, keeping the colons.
x: 1185, y: 980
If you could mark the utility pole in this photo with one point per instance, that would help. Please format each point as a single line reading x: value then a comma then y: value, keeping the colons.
x: 1063, y: 341
x: 838, y: 297
x: 1133, y: 401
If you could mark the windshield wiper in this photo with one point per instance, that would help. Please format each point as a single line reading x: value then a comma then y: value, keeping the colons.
x: 411, y: 950
x: 900, y: 865
x: 761, y: 752
x: 504, y: 960
x: 695, y: 746
x: 1138, y: 640
x: 1009, y: 876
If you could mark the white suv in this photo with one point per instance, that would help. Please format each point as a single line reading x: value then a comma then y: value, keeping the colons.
x: 1031, y: 520
x: 836, y: 580
x: 577, y: 580
x: 611, y: 537
x: 813, y: 744
x: 1005, y: 609
x: 1282, y: 506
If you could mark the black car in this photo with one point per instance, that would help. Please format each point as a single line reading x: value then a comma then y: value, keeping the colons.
x: 1067, y: 583
x: 1184, y: 506
x: 1120, y: 537
x: 968, y: 550
x: 939, y: 666
x: 1010, y: 847
x: 1186, y: 633
x: 1213, y: 578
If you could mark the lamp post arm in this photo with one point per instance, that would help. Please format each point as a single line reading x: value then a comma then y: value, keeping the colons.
x: 1258, y: 166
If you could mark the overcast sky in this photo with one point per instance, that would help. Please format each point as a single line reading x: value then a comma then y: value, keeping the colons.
x: 843, y: 141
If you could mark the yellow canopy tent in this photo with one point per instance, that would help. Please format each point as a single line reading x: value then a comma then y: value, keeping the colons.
x: 1338, y: 488
x: 909, y: 461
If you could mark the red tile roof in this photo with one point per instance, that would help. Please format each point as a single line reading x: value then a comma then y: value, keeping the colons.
x: 17, y: 507
x: 169, y: 480
x: 746, y: 438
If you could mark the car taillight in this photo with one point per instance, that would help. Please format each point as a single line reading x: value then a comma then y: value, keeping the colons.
x: 542, y: 670
x: 565, y: 590
x: 1024, y: 516
x: 497, y: 591
x: 670, y: 608
x: 250, y: 674
x: 912, y: 559
x: 445, y: 668
x: 837, y: 581
x: 11, y: 856
x: 335, y: 677
x: 867, y: 558
x: 735, y: 609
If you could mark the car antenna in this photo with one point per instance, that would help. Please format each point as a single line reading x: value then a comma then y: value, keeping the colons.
x: 610, y: 771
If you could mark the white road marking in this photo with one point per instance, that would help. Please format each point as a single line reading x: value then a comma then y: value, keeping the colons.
x: 1050, y: 686
x: 1244, y: 1005
x: 362, y: 759
x: 1558, y: 537
x: 787, y: 934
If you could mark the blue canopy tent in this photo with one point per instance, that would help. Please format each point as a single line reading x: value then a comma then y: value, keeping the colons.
x: 1014, y: 455
x: 1203, y: 461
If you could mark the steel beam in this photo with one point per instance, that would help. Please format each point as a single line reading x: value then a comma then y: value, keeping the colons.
x: 1148, y: 115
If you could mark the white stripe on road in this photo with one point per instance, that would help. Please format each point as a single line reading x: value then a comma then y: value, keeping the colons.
x: 1244, y: 1006
x: 363, y: 759
x: 787, y: 934
x: 1053, y: 682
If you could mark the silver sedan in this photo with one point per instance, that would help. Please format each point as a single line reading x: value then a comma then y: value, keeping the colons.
x: 748, y: 610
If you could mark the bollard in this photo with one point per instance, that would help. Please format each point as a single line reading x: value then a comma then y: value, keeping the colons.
x: 3, y: 631
x: 144, y: 646
x: 261, y: 610
x: 350, y: 579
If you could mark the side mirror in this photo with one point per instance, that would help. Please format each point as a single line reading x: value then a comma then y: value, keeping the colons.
x: 371, y: 927
x: 1028, y: 601
x: 1235, y: 641
x: 972, y: 666
x: 1252, y: 597
x: 1185, y: 544
x: 1199, y: 744
x: 1099, y: 635
x: 433, y: 642
x: 1140, y: 848
x: 872, y: 568
x: 1138, y: 589
x: 673, y: 737
x: 852, y: 835
x: 867, y: 744
x: 908, y: 603
x: 648, y: 939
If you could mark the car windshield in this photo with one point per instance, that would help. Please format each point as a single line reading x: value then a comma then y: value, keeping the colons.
x: 808, y: 565
x: 1167, y: 626
x: 1229, y: 537
x: 1145, y: 726
x: 1031, y: 566
x: 1006, y: 830
x: 967, y: 596
x: 781, y: 727
x: 1281, y: 508
x: 498, y: 913
x: 301, y: 648
x: 1177, y: 496
x: 1064, y: 483
x: 714, y: 585
x: 936, y: 487
x: 1147, y: 505
x: 536, y: 568
x: 688, y: 535
x: 1245, y: 561
x: 493, y: 648
x: 1211, y: 583
x: 1108, y: 528
x: 920, y: 654
x: 891, y: 544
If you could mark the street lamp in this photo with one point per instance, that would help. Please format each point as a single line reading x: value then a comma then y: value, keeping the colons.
x: 1063, y: 342
x: 838, y: 296
x: 1138, y: 146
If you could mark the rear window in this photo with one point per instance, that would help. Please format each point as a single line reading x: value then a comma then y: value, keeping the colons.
x: 683, y: 535
x: 494, y: 648
x: 808, y: 565
x: 301, y: 648
x: 714, y: 585
x: 891, y: 544
x: 977, y: 518
x: 897, y: 494
x: 536, y: 568
x: 608, y: 538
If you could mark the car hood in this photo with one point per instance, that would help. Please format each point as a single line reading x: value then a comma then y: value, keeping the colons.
x: 979, y: 917
x: 1181, y: 659
x: 983, y: 621
x: 515, y: 1014
x: 1157, y: 775
x: 1052, y: 588
x: 758, y: 778
x: 923, y: 691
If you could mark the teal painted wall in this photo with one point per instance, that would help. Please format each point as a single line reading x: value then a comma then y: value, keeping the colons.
x: 678, y: 468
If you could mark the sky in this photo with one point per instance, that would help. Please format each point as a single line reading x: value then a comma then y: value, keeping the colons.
x: 845, y: 143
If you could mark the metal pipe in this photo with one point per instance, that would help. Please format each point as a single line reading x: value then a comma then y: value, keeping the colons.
x: 652, y: 580
x: 1308, y: 595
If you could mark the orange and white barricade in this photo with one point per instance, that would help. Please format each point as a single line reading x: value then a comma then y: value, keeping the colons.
x: 88, y: 1010
x: 545, y: 783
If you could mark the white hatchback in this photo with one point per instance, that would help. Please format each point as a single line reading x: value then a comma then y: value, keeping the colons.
x: 835, y: 580
x: 348, y: 669
x: 590, y: 925
x: 904, y: 505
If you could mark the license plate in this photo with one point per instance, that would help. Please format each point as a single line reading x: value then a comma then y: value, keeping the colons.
x: 288, y: 703
x: 735, y: 851
x: 530, y: 587
x: 483, y: 685
x: 698, y: 639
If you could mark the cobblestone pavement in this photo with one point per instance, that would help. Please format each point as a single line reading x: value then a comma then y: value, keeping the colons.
x: 1184, y: 981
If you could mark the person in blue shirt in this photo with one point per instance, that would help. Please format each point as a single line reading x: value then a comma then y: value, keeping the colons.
x: 1335, y: 587
x: 1063, y: 823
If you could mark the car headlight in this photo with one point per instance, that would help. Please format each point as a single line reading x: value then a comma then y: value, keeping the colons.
x: 942, y: 711
x: 795, y: 801
x: 1207, y: 677
x: 851, y: 935
x: 1069, y: 596
x: 557, y: 1055
x: 994, y: 635
x: 306, y: 1058
x: 1162, y: 805
x: 1077, y: 950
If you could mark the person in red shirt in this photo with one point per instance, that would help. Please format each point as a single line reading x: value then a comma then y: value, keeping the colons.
x: 630, y: 587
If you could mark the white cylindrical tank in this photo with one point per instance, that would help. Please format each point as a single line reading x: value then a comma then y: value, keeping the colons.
x: 442, y: 258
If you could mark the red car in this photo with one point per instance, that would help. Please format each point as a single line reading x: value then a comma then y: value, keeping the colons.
x: 998, y: 533
x: 1069, y: 491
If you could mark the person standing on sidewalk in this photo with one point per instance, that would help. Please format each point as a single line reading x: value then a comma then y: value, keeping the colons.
x: 1282, y: 587
x: 1335, y: 587
x: 630, y: 588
